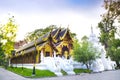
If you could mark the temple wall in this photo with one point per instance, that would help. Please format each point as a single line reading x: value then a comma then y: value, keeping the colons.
x: 26, y: 59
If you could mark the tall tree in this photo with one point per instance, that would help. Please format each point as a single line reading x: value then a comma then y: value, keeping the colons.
x: 107, y: 27
x: 8, y: 31
x: 114, y: 51
x: 85, y: 52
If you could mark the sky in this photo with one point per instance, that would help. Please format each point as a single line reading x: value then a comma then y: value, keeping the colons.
x: 78, y: 15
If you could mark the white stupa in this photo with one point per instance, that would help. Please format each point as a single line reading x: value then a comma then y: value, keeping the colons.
x: 102, y: 63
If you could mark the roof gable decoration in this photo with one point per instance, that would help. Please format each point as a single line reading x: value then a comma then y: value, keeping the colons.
x: 54, y: 35
x: 63, y: 34
x: 55, y: 32
x: 46, y: 36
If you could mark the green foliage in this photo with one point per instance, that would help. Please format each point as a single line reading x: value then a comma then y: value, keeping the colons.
x: 2, y: 56
x: 78, y: 71
x: 8, y: 32
x: 85, y: 52
x: 28, y: 72
x: 114, y: 51
x: 108, y: 30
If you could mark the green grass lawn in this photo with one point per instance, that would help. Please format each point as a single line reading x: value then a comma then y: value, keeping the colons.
x: 41, y: 73
x: 28, y: 72
x: 78, y: 71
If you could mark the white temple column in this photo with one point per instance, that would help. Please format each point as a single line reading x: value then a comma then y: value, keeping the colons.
x: 54, y: 54
x: 42, y: 55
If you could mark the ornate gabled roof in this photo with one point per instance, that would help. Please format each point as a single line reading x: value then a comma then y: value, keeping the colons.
x: 40, y: 46
x: 26, y: 46
x: 57, y: 44
x: 38, y: 41
x: 46, y: 36
x: 61, y: 34
x: 56, y: 35
x: 29, y: 50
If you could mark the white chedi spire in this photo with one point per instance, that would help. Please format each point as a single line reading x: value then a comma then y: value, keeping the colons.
x: 105, y: 62
x: 92, y: 37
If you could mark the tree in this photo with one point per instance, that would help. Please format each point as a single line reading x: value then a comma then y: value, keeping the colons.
x: 107, y: 26
x: 114, y: 51
x: 84, y: 52
x: 2, y: 55
x: 107, y: 29
x: 30, y: 36
x: 8, y: 31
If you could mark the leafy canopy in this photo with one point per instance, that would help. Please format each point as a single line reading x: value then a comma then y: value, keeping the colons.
x: 84, y: 51
x: 109, y: 29
x: 8, y: 33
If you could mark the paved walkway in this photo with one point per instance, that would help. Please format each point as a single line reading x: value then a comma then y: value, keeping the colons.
x: 7, y: 75
x: 107, y: 75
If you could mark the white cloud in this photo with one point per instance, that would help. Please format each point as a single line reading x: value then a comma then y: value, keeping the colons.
x: 79, y: 20
x: 78, y: 23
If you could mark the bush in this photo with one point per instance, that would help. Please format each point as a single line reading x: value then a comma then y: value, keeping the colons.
x: 78, y: 71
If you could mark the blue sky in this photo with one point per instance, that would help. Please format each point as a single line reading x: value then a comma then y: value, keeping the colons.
x: 33, y: 14
x: 26, y: 6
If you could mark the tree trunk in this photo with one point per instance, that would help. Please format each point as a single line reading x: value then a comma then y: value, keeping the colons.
x: 87, y: 66
x: 106, y: 45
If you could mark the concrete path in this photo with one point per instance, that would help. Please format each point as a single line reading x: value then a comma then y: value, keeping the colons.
x: 107, y: 75
x: 7, y: 75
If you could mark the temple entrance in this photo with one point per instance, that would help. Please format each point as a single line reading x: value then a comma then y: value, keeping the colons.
x: 65, y: 52
x: 47, y: 54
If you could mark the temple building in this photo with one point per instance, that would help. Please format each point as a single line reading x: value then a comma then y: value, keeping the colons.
x: 54, y: 43
x: 53, y: 52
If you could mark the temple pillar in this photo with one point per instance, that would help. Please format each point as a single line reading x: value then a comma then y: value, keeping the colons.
x: 51, y: 54
x: 69, y: 49
x: 54, y: 54
x: 42, y: 55
x: 37, y: 57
